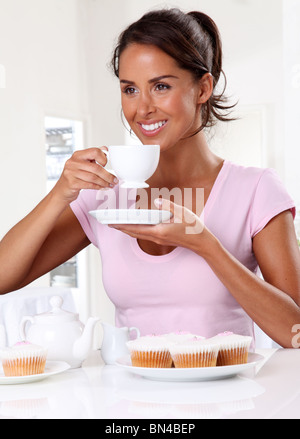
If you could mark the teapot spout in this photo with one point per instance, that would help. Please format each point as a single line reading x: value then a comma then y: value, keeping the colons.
x: 83, y: 344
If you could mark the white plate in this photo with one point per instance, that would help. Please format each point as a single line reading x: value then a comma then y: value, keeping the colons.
x: 130, y: 216
x: 52, y: 368
x: 189, y: 374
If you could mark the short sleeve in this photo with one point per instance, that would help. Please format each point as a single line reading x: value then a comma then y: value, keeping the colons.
x: 86, y: 201
x: 270, y: 199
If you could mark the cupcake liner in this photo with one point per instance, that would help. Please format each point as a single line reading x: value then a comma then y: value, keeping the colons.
x: 229, y: 357
x: 233, y: 349
x: 161, y: 359
x: 150, y: 351
x: 200, y: 359
x: 24, y: 366
x: 194, y: 353
x: 23, y: 359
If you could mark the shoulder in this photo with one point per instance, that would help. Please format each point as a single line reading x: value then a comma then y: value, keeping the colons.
x: 247, y: 173
x: 253, y: 179
x: 262, y: 190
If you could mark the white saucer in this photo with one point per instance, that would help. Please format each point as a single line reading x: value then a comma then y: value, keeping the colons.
x: 131, y: 216
x: 189, y: 374
x: 52, y: 368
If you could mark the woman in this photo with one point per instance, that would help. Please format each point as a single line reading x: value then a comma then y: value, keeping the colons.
x: 162, y: 278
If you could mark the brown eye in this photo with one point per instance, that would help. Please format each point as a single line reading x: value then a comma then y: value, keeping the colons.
x: 129, y: 90
x: 162, y: 87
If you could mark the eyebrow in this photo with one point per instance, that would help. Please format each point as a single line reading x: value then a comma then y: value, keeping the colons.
x: 151, y: 81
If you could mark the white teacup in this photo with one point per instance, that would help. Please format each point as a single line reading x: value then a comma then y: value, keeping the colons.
x: 133, y: 164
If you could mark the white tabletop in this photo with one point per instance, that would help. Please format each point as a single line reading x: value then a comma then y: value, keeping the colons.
x: 95, y: 391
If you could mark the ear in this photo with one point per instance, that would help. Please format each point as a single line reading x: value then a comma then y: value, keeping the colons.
x: 205, y: 88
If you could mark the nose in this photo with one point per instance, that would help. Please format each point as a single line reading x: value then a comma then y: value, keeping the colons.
x: 145, y: 105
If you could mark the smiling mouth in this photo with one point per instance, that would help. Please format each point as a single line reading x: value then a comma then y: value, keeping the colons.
x: 153, y: 128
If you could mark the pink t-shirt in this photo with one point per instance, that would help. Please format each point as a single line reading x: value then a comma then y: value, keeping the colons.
x: 179, y: 291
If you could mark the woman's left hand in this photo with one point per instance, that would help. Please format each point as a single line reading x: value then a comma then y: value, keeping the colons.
x: 184, y: 229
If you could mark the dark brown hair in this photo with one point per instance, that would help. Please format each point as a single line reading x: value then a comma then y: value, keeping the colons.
x: 192, y: 40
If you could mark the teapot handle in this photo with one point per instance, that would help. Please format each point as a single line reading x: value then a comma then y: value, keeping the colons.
x: 133, y: 328
x: 23, y: 324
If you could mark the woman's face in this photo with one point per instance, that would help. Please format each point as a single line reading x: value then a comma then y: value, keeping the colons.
x: 160, y: 100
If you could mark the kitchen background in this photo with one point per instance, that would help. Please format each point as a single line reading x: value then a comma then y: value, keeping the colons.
x: 57, y: 94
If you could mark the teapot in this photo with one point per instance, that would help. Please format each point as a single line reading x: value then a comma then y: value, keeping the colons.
x: 114, y: 342
x: 61, y: 333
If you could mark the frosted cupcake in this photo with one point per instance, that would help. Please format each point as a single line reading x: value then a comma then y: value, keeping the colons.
x: 150, y: 351
x: 194, y: 352
x: 23, y: 359
x: 233, y: 348
x: 179, y: 337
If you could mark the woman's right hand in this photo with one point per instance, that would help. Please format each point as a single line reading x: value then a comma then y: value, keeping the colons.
x: 84, y: 170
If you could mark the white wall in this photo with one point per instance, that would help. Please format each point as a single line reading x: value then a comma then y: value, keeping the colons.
x: 42, y: 53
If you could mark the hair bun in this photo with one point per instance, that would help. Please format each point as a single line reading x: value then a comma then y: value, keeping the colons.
x: 210, y: 28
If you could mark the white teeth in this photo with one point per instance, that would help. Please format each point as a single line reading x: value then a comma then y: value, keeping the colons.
x: 153, y: 126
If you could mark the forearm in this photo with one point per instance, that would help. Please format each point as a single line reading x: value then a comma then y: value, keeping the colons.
x: 273, y: 310
x: 25, y: 252
x: 19, y: 247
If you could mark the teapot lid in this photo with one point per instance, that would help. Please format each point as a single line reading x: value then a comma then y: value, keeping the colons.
x: 56, y: 311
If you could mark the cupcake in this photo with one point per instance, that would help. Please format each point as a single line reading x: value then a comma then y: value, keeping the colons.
x: 179, y: 337
x: 150, y: 351
x: 233, y: 348
x: 22, y: 359
x: 195, y: 352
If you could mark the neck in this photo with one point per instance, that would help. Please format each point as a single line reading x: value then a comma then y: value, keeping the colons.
x: 184, y: 164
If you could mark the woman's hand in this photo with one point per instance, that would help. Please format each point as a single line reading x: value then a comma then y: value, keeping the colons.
x: 184, y: 229
x: 84, y: 170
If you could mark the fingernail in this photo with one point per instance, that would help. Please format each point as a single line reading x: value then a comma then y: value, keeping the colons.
x: 158, y: 202
x: 116, y: 180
